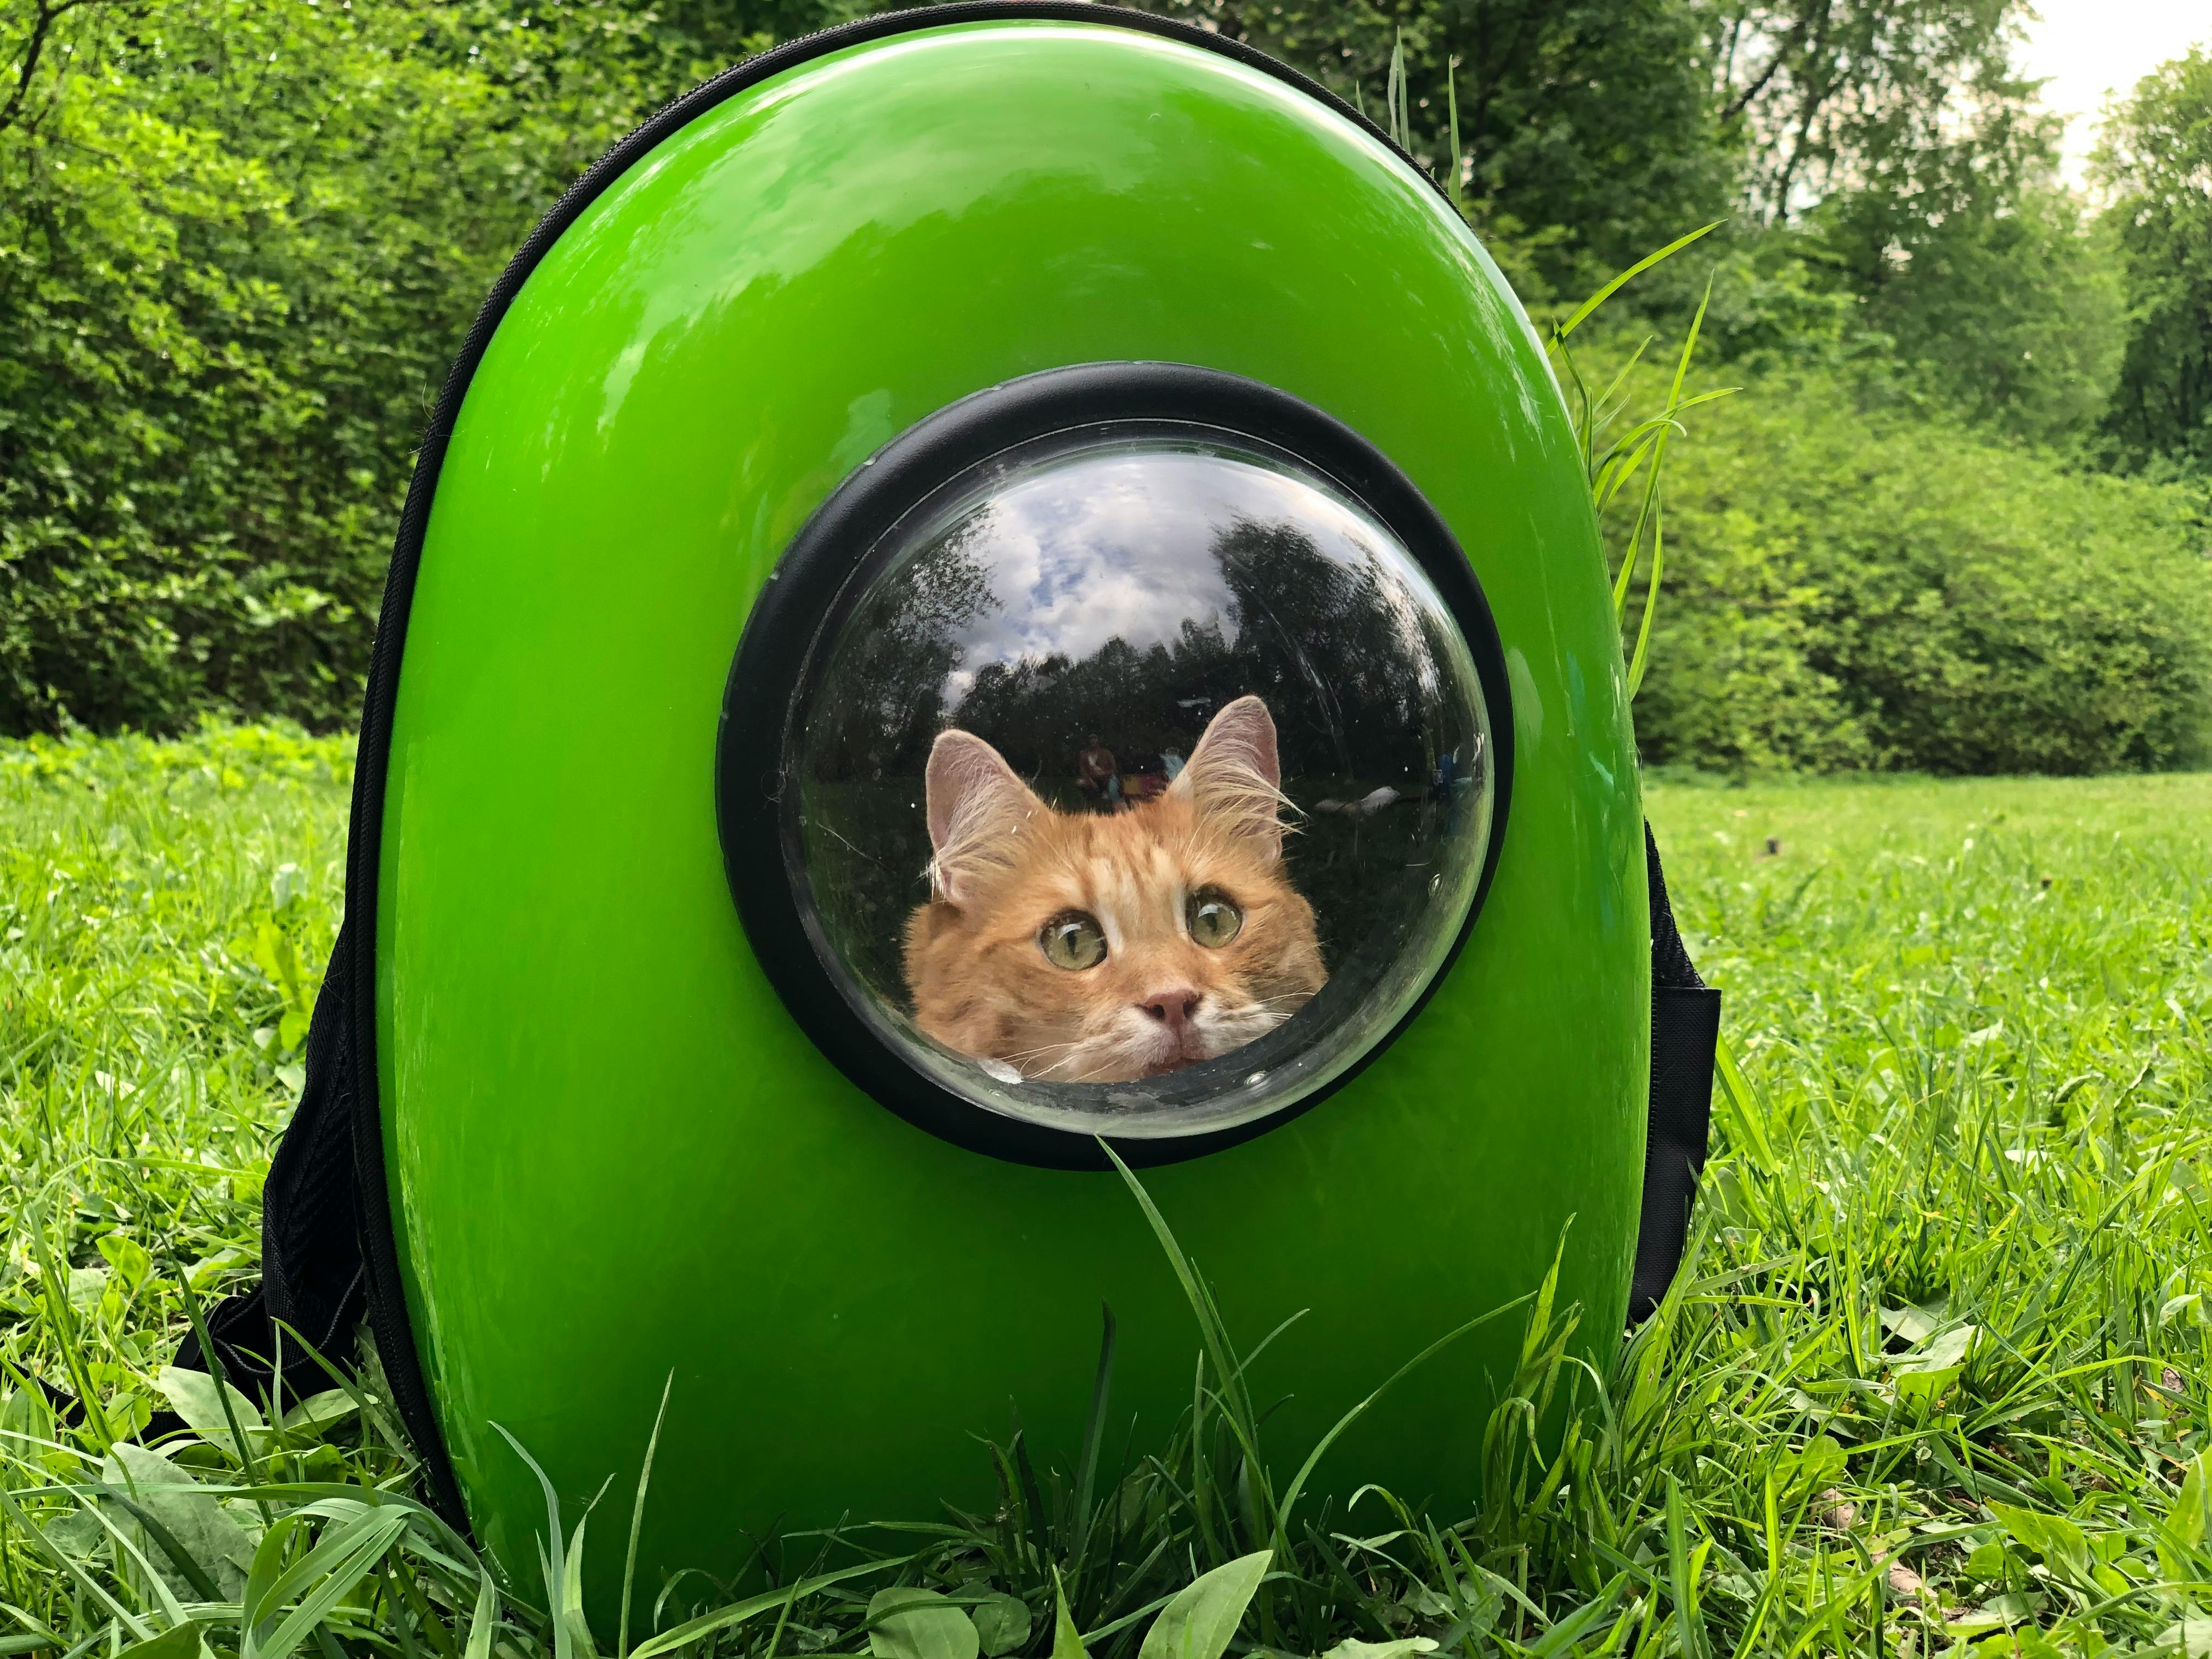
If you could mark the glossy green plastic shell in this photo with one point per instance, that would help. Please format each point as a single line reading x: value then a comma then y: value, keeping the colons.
x: 612, y: 1157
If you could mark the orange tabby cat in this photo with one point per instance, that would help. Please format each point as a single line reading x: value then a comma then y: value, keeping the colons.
x: 1083, y: 948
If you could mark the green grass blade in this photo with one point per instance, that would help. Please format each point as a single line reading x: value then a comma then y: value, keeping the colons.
x: 1390, y: 72
x: 124, y: 1546
x: 571, y: 1612
x: 213, y: 1357
x: 1747, y: 1116
x: 337, y: 1545
x: 1094, y: 1432
x: 1291, y: 1493
x: 637, y: 1520
x: 1582, y: 313
x: 1066, y: 1643
x: 347, y: 1569
x: 137, y: 1628
x: 722, y: 1619
x: 1451, y: 105
x: 1643, y: 656
x: 1567, y: 1632
x: 188, y: 1569
x: 484, y: 1621
x: 1211, y: 1332
x: 551, y: 1551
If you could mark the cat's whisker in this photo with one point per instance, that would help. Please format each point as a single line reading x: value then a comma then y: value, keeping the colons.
x: 1047, y: 1047
x: 1024, y: 1061
x: 1016, y: 1059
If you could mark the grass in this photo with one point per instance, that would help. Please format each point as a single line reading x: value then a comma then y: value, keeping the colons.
x: 1934, y: 1375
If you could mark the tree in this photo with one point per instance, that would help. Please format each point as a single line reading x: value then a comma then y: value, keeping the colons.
x: 1895, y: 161
x: 2006, y: 302
x: 2156, y: 161
x: 1584, y: 134
x: 1829, y: 95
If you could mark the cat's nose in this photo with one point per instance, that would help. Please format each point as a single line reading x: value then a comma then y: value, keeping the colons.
x: 1173, y: 1009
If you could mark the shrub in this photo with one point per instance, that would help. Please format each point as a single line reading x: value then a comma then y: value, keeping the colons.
x: 227, y: 298
x: 1850, y: 588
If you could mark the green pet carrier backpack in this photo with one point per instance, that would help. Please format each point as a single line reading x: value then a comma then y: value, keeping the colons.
x: 996, y: 583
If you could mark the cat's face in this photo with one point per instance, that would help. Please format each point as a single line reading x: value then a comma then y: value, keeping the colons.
x: 1090, y: 948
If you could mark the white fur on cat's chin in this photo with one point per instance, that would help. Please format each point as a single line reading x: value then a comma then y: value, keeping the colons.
x: 1133, y: 1048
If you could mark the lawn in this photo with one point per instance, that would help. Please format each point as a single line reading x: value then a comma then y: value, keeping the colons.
x: 1935, y: 1375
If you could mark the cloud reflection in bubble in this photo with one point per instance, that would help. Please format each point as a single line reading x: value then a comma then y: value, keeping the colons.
x: 1122, y: 546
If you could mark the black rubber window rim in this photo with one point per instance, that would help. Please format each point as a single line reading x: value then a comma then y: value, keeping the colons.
x: 387, y: 1310
x: 827, y: 569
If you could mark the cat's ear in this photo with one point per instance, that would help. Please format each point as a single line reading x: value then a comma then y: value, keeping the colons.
x: 1234, y: 776
x: 976, y: 807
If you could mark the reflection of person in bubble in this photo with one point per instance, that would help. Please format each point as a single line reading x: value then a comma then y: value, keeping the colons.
x: 1454, y: 781
x: 1086, y: 947
x: 1097, y: 775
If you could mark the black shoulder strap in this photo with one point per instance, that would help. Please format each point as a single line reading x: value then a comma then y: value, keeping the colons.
x: 1685, y: 1028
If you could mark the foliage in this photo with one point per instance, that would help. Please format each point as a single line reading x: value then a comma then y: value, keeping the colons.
x: 2006, y: 305
x: 1904, y: 214
x: 2156, y: 160
x: 1937, y: 1367
x: 228, y: 293
x: 1851, y: 587
x: 1616, y: 459
x: 239, y: 243
x: 1296, y: 617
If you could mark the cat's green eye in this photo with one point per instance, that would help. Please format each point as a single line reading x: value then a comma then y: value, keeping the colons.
x: 1073, y: 940
x: 1213, y: 917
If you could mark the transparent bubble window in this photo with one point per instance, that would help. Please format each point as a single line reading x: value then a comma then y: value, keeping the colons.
x: 1143, y: 783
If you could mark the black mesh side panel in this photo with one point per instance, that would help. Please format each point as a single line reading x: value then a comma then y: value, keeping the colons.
x: 1685, y: 1028
x: 310, y: 1268
x: 312, y: 1277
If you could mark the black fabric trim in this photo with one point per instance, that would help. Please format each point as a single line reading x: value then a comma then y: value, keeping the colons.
x: 824, y: 572
x: 1685, y: 1028
x: 347, y: 1079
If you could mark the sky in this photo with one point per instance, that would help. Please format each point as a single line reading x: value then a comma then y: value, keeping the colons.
x: 2087, y: 48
